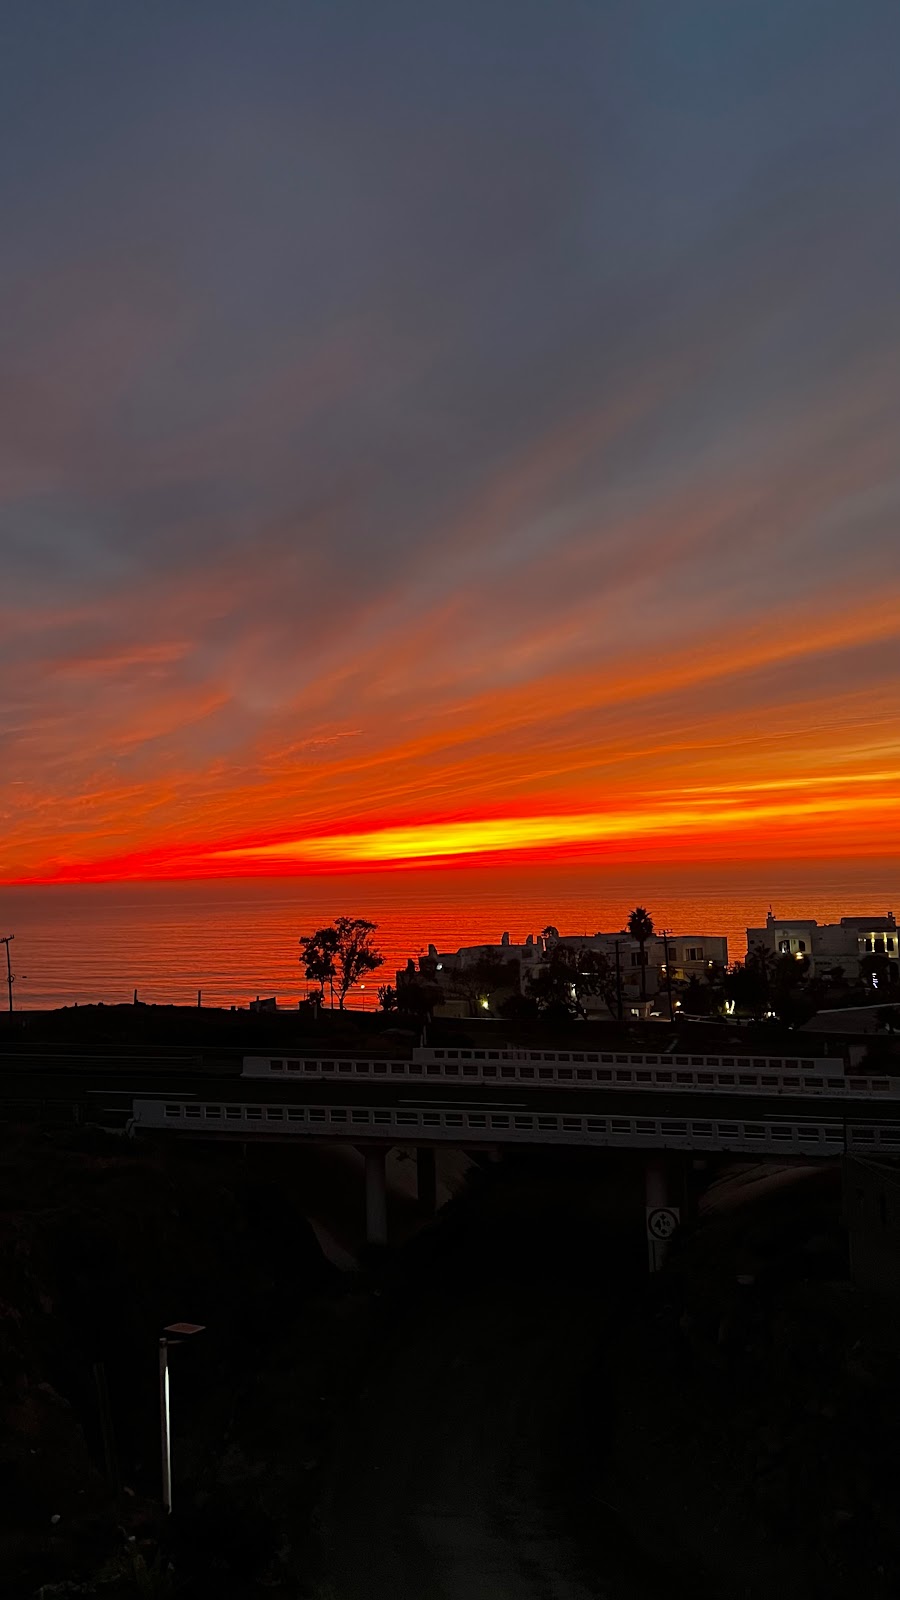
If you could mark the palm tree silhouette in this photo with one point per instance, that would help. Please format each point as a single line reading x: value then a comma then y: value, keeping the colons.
x: 640, y: 926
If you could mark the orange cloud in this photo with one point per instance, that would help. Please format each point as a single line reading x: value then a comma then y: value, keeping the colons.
x: 544, y: 676
x: 494, y: 835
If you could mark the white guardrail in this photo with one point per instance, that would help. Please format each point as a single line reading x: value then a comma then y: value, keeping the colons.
x: 581, y: 1069
x: 802, y: 1136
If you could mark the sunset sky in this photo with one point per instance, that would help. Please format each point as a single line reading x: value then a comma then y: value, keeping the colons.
x: 442, y: 431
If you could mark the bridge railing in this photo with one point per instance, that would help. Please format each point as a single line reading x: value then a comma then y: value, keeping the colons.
x: 792, y: 1135
x: 739, y: 1075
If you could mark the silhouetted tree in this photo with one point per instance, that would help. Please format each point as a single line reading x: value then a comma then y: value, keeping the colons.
x: 569, y: 977
x: 319, y: 958
x: 342, y: 952
x: 696, y: 999
x: 479, y: 980
x: 792, y: 997
x: 875, y: 972
x: 749, y: 984
x: 640, y: 926
x: 716, y: 976
x: 418, y: 1000
x: 387, y: 997
x: 789, y: 972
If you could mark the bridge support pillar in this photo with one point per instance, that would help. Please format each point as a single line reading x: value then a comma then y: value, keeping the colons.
x: 376, y: 1197
x: 426, y: 1179
x: 663, y: 1211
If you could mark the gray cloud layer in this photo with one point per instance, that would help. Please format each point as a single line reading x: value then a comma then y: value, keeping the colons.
x: 362, y: 363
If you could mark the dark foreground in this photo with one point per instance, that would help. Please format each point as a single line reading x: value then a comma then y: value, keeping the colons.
x: 507, y: 1406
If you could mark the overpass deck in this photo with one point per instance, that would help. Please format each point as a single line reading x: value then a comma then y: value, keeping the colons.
x: 631, y: 1105
x: 156, y: 1083
x: 639, y: 1116
x: 646, y: 1125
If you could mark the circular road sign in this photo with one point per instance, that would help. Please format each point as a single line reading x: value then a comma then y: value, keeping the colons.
x: 662, y: 1223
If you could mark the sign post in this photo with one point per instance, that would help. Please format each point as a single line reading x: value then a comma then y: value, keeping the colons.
x: 662, y: 1223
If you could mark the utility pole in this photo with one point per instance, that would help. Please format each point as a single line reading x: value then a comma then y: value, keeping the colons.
x: 665, y: 934
x: 619, y: 1006
x: 9, y: 976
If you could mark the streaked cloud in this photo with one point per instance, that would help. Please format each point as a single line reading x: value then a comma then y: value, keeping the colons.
x: 479, y: 448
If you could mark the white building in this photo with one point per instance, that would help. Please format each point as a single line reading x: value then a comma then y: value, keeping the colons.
x: 530, y: 955
x: 831, y: 944
x: 442, y: 967
x: 690, y: 955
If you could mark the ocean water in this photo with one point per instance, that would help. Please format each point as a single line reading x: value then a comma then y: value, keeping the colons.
x: 238, y: 938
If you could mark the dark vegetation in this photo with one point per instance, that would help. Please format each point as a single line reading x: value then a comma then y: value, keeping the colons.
x: 749, y: 1395
x: 221, y: 1036
x: 760, y: 1405
x: 786, y: 987
x: 187, y: 1028
x: 103, y: 1242
x: 160, y: 1027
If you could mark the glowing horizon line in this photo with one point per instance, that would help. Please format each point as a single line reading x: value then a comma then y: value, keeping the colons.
x: 477, y: 837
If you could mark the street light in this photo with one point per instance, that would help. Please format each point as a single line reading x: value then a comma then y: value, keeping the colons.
x: 183, y: 1331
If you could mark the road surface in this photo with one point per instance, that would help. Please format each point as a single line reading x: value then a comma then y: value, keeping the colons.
x: 468, y: 1464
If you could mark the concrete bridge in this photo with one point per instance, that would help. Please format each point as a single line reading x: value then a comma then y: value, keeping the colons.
x: 654, y: 1105
x: 665, y: 1106
x: 582, y: 1069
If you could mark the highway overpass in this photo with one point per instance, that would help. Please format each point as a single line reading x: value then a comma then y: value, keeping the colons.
x: 653, y: 1120
x: 651, y: 1104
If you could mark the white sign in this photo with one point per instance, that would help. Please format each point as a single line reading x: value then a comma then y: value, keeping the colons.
x: 662, y: 1222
